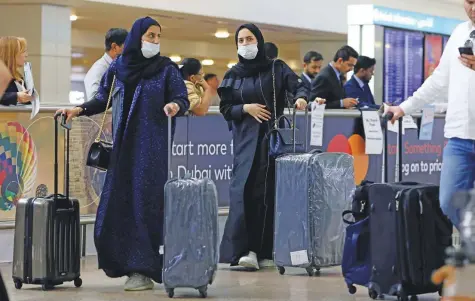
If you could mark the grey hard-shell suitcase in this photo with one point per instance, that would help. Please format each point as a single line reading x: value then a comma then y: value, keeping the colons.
x: 312, y: 190
x: 190, y: 233
x: 47, y: 238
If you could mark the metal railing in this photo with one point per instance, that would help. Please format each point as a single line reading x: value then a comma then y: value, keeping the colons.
x: 89, y: 220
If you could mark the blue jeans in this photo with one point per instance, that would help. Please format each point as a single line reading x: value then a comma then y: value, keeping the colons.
x: 458, y: 173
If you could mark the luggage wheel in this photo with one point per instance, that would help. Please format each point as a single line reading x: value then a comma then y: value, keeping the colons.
x: 402, y: 297
x: 47, y: 287
x: 78, y: 282
x: 281, y: 270
x: 203, y: 291
x: 313, y: 272
x: 352, y: 289
x: 18, y: 284
x: 310, y: 272
x: 373, y: 294
x: 170, y: 292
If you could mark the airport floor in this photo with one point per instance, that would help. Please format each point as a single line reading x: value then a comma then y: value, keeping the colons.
x: 230, y: 285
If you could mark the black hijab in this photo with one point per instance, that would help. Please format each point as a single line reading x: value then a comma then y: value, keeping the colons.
x: 248, y: 68
x: 132, y: 66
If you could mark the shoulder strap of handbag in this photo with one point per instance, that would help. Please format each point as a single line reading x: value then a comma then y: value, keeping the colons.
x: 98, y: 139
x: 274, y: 96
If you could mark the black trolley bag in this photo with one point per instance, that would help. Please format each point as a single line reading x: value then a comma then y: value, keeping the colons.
x: 409, y: 233
x: 190, y: 231
x: 47, y: 238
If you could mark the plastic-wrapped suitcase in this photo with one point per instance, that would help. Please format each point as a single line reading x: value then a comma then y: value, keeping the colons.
x: 47, y: 235
x: 409, y: 236
x: 312, y: 190
x: 190, y: 233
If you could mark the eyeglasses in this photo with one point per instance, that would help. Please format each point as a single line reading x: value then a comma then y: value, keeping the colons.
x: 469, y: 42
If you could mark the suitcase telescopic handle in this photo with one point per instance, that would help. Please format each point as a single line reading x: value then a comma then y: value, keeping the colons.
x: 57, y: 119
x: 384, y: 124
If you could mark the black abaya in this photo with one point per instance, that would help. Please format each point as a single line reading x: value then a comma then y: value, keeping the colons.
x: 249, y: 226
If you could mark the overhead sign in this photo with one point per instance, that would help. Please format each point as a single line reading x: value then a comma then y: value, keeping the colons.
x: 413, y: 21
x: 367, y: 14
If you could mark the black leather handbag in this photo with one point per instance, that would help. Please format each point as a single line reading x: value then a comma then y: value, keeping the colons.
x: 100, y: 150
x: 283, y: 140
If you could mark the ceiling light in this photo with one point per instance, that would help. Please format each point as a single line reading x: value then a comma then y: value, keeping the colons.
x: 175, y: 58
x: 77, y: 55
x: 207, y: 62
x: 222, y: 34
x: 230, y: 65
x: 73, y: 18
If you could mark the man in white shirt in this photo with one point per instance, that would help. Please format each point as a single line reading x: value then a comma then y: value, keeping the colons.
x: 114, y: 43
x: 454, y: 80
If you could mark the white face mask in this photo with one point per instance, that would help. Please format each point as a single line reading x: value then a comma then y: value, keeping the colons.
x: 249, y: 52
x: 150, y: 49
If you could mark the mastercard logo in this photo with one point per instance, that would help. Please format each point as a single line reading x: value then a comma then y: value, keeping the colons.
x: 355, y: 146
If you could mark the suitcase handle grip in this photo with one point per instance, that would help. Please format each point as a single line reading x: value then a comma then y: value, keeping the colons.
x: 315, y: 151
x: 409, y: 183
x: 65, y: 210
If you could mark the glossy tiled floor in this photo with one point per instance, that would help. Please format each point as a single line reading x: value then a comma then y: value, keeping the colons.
x: 229, y: 285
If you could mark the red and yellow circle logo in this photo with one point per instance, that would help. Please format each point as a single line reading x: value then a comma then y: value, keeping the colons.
x: 355, y: 146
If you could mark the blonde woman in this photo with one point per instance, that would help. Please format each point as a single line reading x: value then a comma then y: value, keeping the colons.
x: 13, y: 52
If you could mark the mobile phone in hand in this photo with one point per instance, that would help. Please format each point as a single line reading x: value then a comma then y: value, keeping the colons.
x: 64, y: 124
x: 466, y: 50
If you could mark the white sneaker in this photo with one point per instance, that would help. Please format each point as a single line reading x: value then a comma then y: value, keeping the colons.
x: 249, y: 261
x: 137, y: 282
x: 266, y: 263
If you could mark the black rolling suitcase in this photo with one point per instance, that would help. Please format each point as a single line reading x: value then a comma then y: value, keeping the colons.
x: 47, y: 238
x: 409, y: 235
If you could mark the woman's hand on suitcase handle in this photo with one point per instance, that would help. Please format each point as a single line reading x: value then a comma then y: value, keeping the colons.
x: 395, y: 110
x: 70, y: 113
x: 171, y: 109
x: 258, y: 111
x: 300, y: 104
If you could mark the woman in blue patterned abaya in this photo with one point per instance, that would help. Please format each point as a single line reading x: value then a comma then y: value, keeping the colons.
x: 247, y: 103
x: 129, y: 222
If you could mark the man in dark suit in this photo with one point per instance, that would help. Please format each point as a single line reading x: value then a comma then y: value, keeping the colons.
x: 328, y: 83
x: 312, y: 63
x: 357, y: 87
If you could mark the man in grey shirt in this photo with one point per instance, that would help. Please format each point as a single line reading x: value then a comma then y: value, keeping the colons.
x: 114, y: 43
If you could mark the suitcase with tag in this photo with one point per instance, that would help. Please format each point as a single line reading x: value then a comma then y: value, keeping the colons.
x: 312, y: 190
x: 47, y: 235
x: 409, y: 235
x: 190, y: 232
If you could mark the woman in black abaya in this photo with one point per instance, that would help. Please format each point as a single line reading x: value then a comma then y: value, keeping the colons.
x: 247, y: 104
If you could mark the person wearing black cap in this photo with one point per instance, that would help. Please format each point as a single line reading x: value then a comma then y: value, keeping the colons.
x: 147, y: 89
x: 247, y: 103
